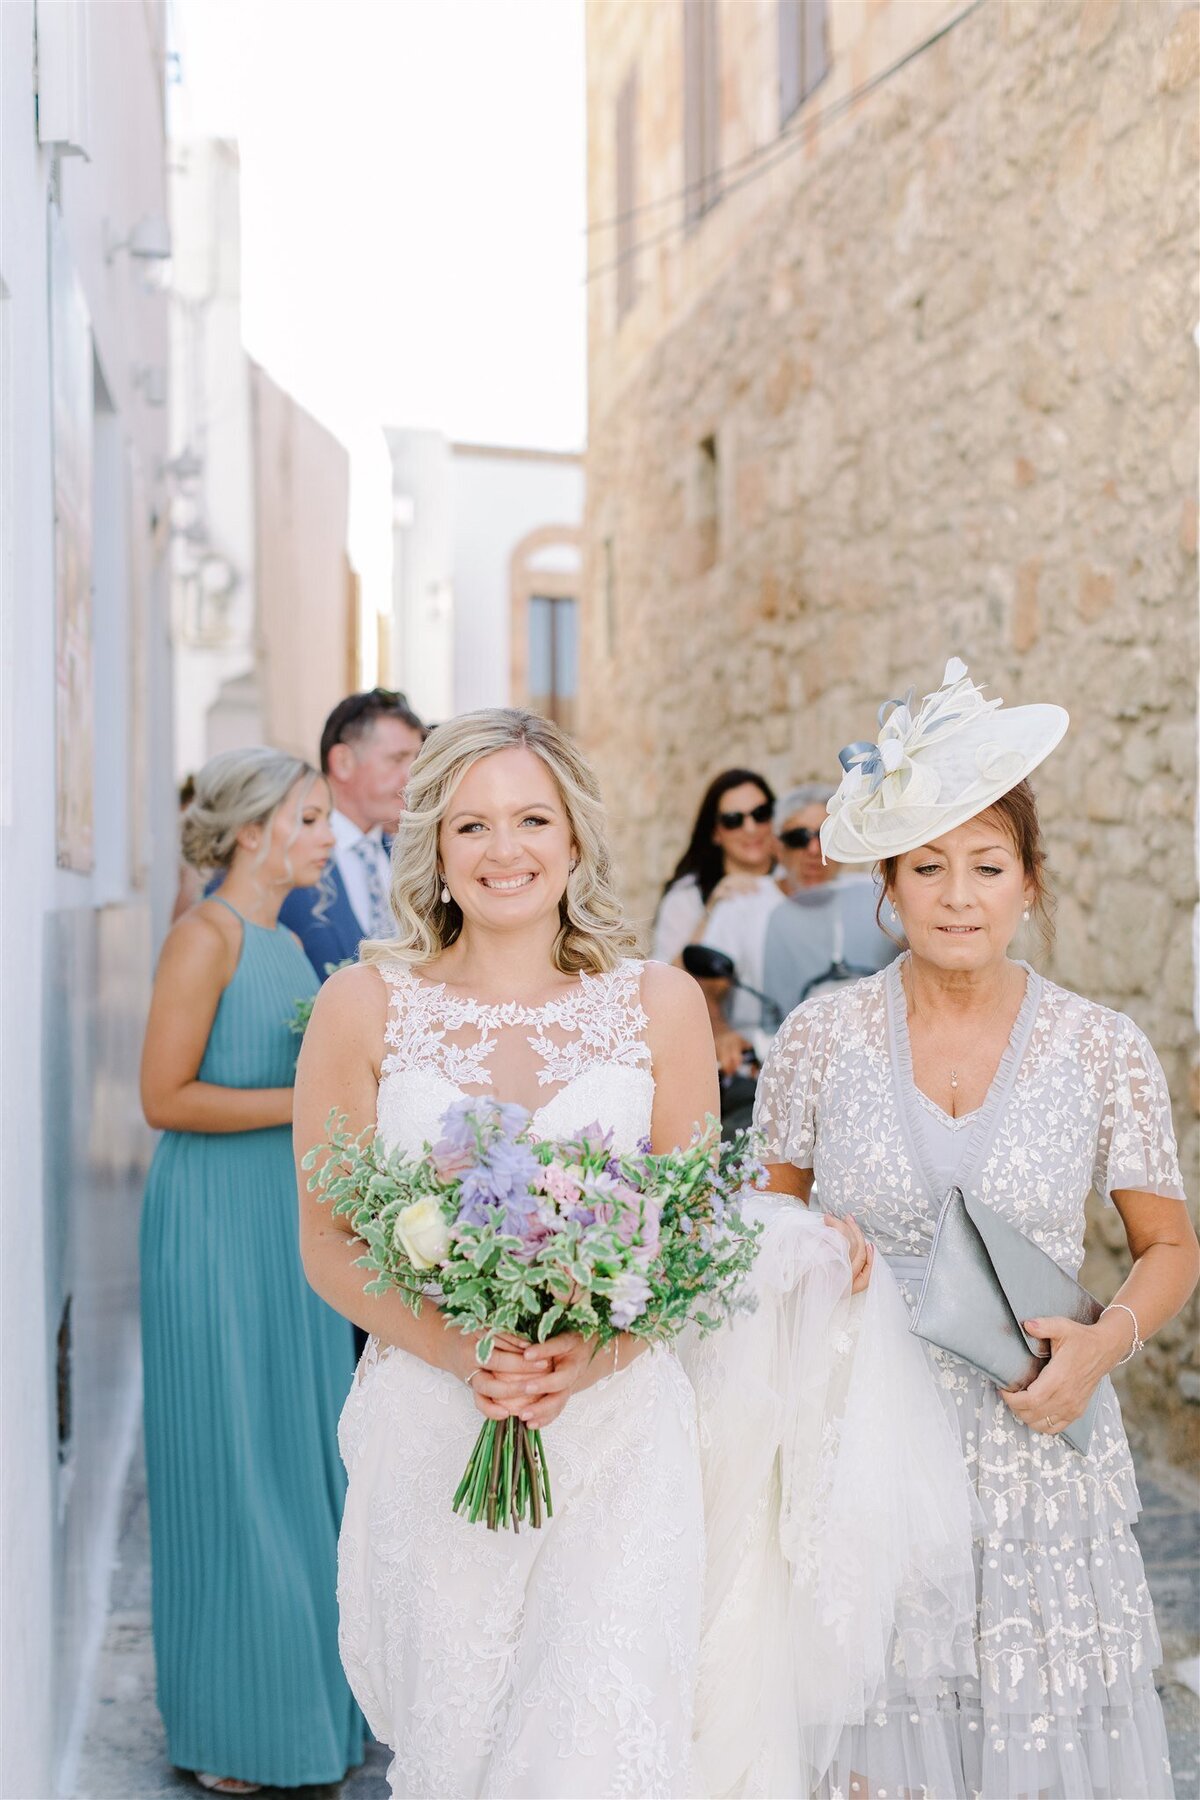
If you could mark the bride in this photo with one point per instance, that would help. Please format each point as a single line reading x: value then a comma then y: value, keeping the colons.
x: 566, y: 1661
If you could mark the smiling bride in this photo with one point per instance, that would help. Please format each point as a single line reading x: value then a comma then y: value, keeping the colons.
x: 567, y: 1660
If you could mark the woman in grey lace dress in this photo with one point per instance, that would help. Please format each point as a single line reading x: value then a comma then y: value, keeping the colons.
x: 961, y: 1066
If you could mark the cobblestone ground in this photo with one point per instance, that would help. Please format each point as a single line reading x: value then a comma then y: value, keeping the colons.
x: 124, y: 1756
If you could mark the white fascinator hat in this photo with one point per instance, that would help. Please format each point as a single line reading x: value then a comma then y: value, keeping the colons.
x: 933, y: 769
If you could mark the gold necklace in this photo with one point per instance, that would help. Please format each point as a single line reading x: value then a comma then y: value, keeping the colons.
x: 924, y: 1017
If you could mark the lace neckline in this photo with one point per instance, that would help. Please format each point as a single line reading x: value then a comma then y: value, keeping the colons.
x: 599, y: 1022
x: 466, y: 1009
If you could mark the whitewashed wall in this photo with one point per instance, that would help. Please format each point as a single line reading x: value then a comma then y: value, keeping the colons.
x: 498, y: 501
x: 460, y: 511
x: 75, y: 948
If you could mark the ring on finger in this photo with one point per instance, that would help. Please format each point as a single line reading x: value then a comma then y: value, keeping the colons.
x: 1048, y: 1422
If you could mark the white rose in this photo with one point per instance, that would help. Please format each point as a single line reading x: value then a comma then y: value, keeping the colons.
x: 423, y: 1234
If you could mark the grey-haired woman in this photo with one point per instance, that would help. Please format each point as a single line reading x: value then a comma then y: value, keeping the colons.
x: 960, y: 1066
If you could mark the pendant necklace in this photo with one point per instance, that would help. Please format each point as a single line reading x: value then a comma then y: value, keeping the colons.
x: 912, y: 992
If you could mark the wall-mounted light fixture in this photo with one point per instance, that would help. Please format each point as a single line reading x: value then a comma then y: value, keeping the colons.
x: 149, y: 240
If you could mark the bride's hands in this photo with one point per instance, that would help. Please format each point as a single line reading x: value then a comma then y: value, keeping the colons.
x: 862, y: 1254
x: 578, y: 1363
x: 508, y: 1376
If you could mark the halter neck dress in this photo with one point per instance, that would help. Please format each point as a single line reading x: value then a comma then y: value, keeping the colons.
x: 245, y: 1372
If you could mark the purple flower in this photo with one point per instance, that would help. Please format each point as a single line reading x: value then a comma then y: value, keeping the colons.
x: 498, y: 1187
x: 627, y: 1298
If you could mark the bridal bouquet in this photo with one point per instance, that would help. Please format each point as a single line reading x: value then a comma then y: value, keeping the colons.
x: 514, y: 1235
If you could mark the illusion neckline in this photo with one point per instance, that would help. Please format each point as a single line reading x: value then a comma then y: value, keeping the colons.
x: 507, y: 1011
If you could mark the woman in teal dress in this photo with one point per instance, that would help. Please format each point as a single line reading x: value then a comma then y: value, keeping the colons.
x: 245, y: 1368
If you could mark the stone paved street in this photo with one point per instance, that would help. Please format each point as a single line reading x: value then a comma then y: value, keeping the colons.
x: 124, y: 1758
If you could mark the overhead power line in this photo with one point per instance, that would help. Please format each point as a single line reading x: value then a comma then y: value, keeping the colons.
x: 756, y: 163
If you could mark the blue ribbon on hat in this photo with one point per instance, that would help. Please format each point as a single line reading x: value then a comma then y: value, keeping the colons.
x: 866, y: 756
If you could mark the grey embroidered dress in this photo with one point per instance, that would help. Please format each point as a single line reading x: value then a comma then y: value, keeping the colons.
x: 1064, y: 1707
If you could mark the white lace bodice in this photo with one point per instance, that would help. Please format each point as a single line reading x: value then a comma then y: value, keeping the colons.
x: 588, y: 1045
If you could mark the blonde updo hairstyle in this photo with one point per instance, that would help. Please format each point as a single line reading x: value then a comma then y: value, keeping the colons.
x: 593, y: 936
x: 234, y: 789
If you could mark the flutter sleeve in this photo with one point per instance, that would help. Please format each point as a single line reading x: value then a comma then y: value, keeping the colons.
x: 1135, y: 1146
x: 789, y: 1088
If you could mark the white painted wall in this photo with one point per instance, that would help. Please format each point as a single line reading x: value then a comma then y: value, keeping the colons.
x: 498, y: 501
x: 459, y: 513
x: 422, y: 570
x: 213, y: 509
x: 75, y: 949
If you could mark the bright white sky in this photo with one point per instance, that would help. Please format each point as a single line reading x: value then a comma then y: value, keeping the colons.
x: 413, y: 203
x: 413, y: 213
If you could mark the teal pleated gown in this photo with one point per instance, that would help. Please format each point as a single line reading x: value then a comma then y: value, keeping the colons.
x: 246, y: 1371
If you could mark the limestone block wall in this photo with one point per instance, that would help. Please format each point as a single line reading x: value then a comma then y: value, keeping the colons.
x: 943, y: 399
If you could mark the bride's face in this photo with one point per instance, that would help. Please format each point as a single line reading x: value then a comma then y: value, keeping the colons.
x: 505, y: 841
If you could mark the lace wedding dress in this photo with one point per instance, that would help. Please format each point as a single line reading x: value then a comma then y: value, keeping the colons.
x: 557, y: 1662
x: 574, y: 1660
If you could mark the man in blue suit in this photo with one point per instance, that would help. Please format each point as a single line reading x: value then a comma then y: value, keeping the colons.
x: 367, y: 748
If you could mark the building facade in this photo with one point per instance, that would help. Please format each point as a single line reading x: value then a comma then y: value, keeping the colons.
x: 264, y: 602
x: 486, y: 575
x: 87, y: 816
x: 892, y: 356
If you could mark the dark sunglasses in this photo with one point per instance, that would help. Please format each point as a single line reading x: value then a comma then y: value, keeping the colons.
x: 734, y: 821
x: 799, y: 837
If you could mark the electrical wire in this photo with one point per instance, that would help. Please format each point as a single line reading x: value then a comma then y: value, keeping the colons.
x: 761, y: 161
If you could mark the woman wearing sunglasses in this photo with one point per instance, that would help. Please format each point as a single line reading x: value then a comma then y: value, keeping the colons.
x: 731, y: 850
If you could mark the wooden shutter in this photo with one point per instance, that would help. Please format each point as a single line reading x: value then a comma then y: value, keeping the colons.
x: 701, y: 107
x: 816, y: 45
x: 626, y: 195
x: 790, y: 54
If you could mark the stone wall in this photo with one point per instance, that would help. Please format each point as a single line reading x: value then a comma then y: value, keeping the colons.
x: 942, y: 399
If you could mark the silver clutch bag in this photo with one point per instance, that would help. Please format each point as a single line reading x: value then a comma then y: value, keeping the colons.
x: 984, y: 1278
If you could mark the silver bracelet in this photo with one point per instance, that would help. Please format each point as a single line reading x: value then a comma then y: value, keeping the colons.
x: 1138, y: 1343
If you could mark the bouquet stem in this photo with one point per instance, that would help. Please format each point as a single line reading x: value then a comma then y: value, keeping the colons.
x: 506, y: 1480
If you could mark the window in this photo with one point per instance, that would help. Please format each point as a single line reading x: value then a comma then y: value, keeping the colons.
x: 610, y: 596
x: 701, y: 108
x: 553, y: 657
x: 803, y: 52
x: 626, y: 195
x: 706, y: 504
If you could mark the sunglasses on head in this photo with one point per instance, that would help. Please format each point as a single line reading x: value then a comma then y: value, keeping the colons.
x: 733, y: 821
x: 799, y: 837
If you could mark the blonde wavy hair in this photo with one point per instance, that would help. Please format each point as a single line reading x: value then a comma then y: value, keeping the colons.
x: 593, y: 936
x: 234, y: 789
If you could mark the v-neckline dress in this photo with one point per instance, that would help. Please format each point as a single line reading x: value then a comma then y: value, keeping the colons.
x: 1065, y: 1705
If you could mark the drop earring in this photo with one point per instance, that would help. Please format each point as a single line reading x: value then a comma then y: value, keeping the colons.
x: 445, y: 895
x: 1025, y: 915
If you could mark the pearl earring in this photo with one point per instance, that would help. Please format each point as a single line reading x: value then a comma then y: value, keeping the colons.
x: 445, y: 895
x: 1025, y: 915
